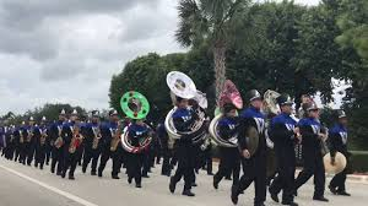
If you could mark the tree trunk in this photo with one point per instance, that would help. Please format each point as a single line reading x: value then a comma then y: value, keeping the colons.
x: 219, y: 52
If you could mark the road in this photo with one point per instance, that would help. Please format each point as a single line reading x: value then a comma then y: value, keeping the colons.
x: 23, y: 185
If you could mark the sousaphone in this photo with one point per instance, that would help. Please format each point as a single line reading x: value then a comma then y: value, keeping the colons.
x: 229, y: 94
x: 136, y: 107
x: 183, y: 86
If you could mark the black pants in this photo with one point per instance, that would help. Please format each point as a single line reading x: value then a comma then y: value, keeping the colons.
x: 166, y: 167
x: 71, y: 161
x: 134, y: 167
x: 285, y: 178
x: 255, y: 171
x: 115, y: 156
x: 40, y: 155
x: 229, y: 163
x: 30, y: 152
x: 313, y: 165
x: 186, y: 164
x: 57, y: 158
x: 338, y: 181
x: 91, y: 154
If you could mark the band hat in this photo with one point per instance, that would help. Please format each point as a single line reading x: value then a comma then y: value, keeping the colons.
x: 95, y: 113
x: 62, y: 112
x: 113, y: 112
x: 284, y: 99
x: 311, y: 106
x: 254, y: 95
x: 74, y: 112
x: 43, y: 118
x: 341, y: 114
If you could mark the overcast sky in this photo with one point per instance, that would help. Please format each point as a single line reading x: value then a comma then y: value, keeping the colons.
x: 66, y: 51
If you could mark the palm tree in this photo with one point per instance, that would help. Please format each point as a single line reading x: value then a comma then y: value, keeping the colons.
x: 210, y: 22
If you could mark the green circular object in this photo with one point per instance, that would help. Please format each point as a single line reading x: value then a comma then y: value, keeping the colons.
x: 139, y: 101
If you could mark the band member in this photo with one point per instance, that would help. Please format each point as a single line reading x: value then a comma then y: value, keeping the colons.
x: 310, y: 129
x: 57, y: 143
x: 72, y: 137
x: 30, y: 143
x: 41, y: 135
x: 21, y: 134
x: 184, y: 118
x: 92, y: 144
x: 136, y: 131
x: 283, y: 133
x: 10, y: 142
x: 207, y: 157
x: 229, y: 156
x: 255, y: 166
x: 110, y: 134
x: 338, y: 143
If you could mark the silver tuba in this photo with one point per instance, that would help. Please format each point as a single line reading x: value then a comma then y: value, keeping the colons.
x: 183, y: 86
x: 229, y: 94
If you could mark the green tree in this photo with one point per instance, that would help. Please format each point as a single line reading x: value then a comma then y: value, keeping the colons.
x: 210, y: 22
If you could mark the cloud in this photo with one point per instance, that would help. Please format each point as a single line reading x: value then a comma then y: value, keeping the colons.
x: 67, y: 51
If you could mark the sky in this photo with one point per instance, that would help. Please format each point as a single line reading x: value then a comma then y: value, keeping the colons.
x: 67, y: 51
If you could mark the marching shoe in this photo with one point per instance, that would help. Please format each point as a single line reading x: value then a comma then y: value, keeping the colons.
x: 84, y: 170
x: 215, y: 182
x: 115, y: 177
x: 322, y: 199
x: 194, y: 184
x: 234, y: 195
x: 129, y: 180
x: 138, y: 186
x: 332, y: 189
x: 172, y: 185
x: 343, y: 193
x: 290, y: 203
x: 188, y: 193
x: 71, y: 177
x: 274, y: 197
x: 93, y: 173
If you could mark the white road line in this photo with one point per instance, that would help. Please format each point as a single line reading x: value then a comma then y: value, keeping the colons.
x: 51, y: 188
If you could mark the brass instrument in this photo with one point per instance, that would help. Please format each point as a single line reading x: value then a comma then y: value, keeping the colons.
x: 21, y: 137
x: 43, y: 137
x: 76, y: 139
x: 97, y: 137
x: 29, y: 135
x: 59, y: 142
x: 115, y: 137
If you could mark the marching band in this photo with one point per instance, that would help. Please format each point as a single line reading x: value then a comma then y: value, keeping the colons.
x: 244, y: 138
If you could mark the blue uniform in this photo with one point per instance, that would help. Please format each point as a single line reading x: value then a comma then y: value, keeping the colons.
x: 255, y: 167
x: 57, y: 152
x: 183, y: 119
x: 282, y: 134
x: 229, y: 129
x: 108, y: 131
x: 90, y: 130
x: 312, y: 156
x: 338, y: 139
